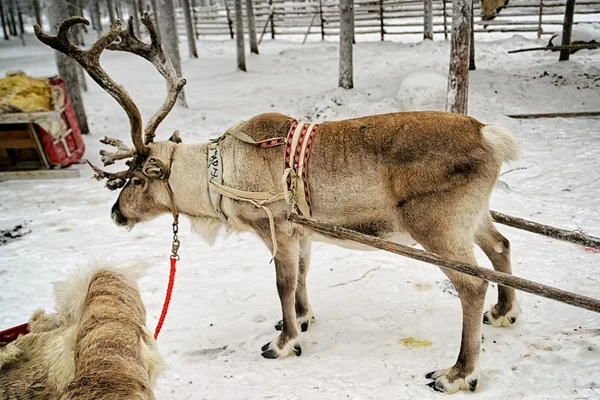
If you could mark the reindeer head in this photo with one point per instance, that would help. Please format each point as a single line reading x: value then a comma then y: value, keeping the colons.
x: 149, y: 162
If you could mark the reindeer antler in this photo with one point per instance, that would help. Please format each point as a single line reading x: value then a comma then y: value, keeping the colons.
x: 90, y: 61
x: 154, y: 53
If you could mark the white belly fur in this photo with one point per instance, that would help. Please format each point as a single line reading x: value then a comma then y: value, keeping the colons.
x: 397, y: 237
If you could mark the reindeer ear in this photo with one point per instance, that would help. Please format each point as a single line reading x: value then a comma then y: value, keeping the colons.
x: 175, y: 137
x: 154, y: 169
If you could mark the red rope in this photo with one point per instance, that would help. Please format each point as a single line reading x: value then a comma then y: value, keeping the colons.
x: 165, y: 308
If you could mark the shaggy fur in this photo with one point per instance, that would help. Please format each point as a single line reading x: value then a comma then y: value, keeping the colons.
x: 95, y: 347
x: 425, y: 177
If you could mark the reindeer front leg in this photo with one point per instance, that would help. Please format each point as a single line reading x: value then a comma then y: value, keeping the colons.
x: 286, y: 268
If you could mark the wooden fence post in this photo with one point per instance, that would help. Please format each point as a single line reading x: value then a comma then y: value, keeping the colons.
x: 428, y: 19
x: 445, y: 20
x: 239, y: 36
x: 381, y: 18
x: 567, y: 28
x: 229, y: 22
x: 458, y: 77
x: 472, y: 40
x: 322, y: 22
x: 346, y: 39
x: 539, y: 30
x: 272, y: 20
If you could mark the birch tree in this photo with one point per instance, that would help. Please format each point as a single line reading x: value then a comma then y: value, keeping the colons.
x: 166, y: 21
x: 67, y: 68
x: 4, y: 22
x: 189, y: 29
x: 346, y: 39
x: 239, y: 36
x: 251, y: 27
x: 458, y: 76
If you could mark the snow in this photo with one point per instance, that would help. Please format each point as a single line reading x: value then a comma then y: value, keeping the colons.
x: 586, y: 33
x: 423, y: 90
x: 225, y: 302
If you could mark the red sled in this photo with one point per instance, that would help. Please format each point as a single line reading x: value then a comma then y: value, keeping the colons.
x: 12, y: 334
x: 26, y: 144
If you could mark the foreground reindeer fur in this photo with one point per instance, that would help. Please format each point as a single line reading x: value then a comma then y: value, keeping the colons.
x: 95, y: 347
x: 421, y: 177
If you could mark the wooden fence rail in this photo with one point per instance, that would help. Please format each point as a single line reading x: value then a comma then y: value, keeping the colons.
x: 385, y: 17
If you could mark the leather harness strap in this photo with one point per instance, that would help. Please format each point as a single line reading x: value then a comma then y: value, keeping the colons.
x: 298, y: 144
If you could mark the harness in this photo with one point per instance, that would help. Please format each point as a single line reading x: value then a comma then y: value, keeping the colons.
x: 298, y: 144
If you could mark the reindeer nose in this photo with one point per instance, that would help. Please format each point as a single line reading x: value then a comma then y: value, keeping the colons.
x: 117, y: 216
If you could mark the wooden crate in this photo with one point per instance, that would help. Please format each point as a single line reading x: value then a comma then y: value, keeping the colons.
x: 20, y: 148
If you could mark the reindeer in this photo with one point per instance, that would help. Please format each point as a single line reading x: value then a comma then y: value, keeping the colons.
x: 96, y: 346
x: 417, y: 177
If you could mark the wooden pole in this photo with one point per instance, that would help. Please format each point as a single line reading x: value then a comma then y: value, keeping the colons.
x: 382, y: 30
x: 472, y: 41
x: 501, y: 278
x: 322, y: 20
x: 539, y: 29
x: 265, y: 26
x: 458, y: 77
x: 346, y: 38
x: 445, y: 20
x: 251, y: 27
x: 583, y: 114
x: 547, y: 230
x: 239, y: 36
x: 309, y: 26
x: 555, y: 48
x: 135, y: 13
x: 272, y: 19
x: 567, y: 28
x: 229, y: 21
x: 428, y: 19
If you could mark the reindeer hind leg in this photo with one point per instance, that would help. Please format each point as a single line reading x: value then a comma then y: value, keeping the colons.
x: 497, y: 248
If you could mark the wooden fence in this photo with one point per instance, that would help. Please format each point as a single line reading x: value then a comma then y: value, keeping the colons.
x: 378, y: 18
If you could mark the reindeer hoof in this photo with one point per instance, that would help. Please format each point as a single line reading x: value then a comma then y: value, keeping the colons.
x: 508, y: 318
x: 270, y: 350
x: 451, y: 380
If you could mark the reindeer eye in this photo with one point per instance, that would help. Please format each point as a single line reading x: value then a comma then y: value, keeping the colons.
x: 137, y: 182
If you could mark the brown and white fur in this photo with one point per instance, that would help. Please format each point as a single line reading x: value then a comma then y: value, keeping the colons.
x: 423, y: 176
x: 95, y: 347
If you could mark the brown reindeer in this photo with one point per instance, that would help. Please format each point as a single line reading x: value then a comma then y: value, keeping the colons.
x: 420, y: 177
x: 96, y: 346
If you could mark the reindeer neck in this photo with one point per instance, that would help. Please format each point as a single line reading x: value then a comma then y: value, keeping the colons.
x: 189, y: 182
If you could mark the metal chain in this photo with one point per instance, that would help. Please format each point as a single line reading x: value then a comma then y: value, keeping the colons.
x: 176, y: 242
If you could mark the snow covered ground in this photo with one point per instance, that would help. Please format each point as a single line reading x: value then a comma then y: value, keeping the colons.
x: 225, y: 303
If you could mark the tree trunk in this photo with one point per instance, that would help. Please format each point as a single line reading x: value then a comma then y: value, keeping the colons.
x: 567, y: 28
x: 251, y: 27
x: 189, y: 28
x: 428, y: 19
x: 67, y: 68
x: 37, y: 9
x: 4, y: 22
x: 346, y: 39
x: 239, y: 36
x: 135, y: 13
x: 12, y: 20
x: 167, y: 24
x: 95, y: 10
x: 157, y: 18
x: 111, y: 10
x: 472, y: 42
x: 119, y: 10
x: 458, y: 77
x: 20, y: 17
